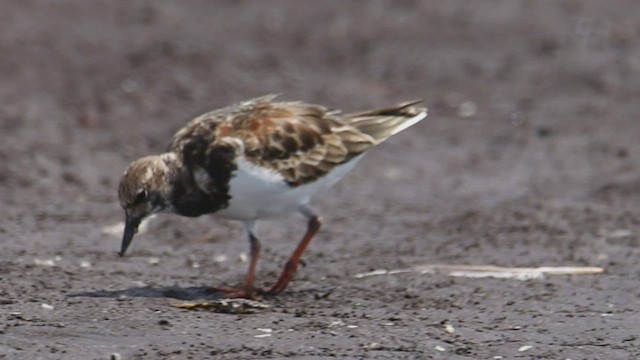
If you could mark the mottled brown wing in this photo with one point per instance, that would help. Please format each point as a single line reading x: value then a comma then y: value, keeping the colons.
x: 300, y: 141
x: 201, y: 129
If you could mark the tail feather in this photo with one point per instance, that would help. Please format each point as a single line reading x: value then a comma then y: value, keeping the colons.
x: 383, y: 123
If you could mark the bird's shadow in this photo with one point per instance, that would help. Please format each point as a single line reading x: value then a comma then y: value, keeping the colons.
x: 174, y: 292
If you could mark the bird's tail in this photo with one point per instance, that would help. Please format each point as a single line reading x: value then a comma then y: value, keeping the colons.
x: 382, y: 123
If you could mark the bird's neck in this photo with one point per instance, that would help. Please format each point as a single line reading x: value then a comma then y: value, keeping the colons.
x: 186, y: 198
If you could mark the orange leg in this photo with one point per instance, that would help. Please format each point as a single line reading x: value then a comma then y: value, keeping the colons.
x: 247, y: 291
x: 292, y: 264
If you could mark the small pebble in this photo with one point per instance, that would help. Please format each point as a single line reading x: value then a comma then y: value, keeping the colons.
x: 242, y: 257
x: 372, y: 346
x: 393, y: 173
x: 440, y: 348
x: 85, y: 264
x: 467, y: 109
x: 44, y: 262
x: 621, y: 233
x: 115, y: 356
x: 525, y: 348
x: 153, y: 261
x: 47, y: 306
x: 449, y: 328
x: 192, y: 262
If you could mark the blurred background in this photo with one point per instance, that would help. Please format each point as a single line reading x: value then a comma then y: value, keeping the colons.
x: 87, y: 88
x: 529, y: 156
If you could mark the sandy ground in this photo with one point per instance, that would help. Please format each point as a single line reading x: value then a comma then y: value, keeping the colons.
x: 529, y: 157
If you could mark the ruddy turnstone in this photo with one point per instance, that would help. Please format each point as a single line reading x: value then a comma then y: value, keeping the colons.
x: 254, y: 160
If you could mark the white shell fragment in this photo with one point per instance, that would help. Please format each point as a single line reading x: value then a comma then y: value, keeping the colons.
x: 621, y: 233
x: 467, y: 109
x: 482, y: 271
x: 372, y: 346
x: 449, y: 329
x: 44, y: 262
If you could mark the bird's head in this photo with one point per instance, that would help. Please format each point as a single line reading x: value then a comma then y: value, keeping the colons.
x: 144, y: 190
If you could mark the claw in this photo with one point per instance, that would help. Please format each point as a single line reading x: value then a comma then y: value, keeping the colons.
x: 233, y: 293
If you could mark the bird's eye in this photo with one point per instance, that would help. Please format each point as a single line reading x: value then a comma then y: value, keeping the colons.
x: 141, y: 197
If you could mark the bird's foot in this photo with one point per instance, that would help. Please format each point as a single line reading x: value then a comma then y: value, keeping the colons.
x: 237, y: 293
x: 285, y: 277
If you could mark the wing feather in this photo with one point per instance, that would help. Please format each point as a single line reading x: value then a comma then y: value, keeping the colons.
x: 302, y: 142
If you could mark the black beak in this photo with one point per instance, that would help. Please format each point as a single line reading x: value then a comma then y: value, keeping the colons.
x: 130, y: 229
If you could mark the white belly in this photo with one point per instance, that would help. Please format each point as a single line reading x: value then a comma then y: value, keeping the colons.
x: 258, y: 193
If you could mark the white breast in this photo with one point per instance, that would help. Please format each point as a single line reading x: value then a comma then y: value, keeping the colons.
x: 257, y: 192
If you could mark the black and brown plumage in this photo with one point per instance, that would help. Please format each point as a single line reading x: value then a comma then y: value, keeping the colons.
x: 254, y: 160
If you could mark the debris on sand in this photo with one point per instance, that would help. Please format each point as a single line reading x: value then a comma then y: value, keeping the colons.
x: 44, y: 262
x: 266, y: 332
x: 372, y: 346
x: 467, y: 109
x: 482, y: 271
x: 448, y: 328
x: 242, y: 257
x: 225, y: 306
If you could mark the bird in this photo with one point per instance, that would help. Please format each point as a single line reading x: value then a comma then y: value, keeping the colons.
x: 255, y: 160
